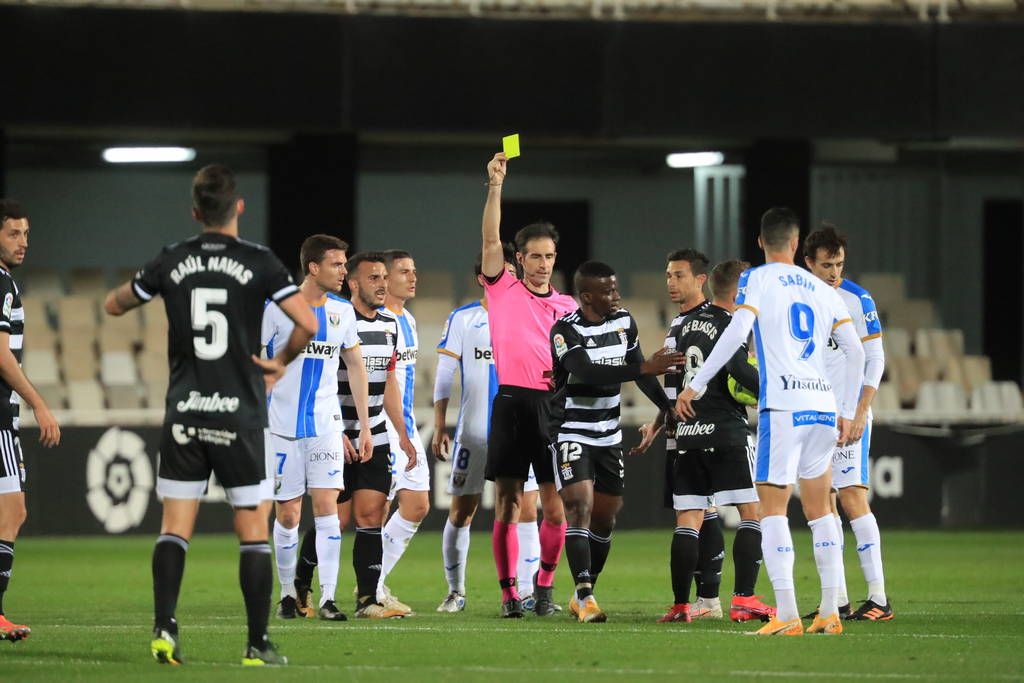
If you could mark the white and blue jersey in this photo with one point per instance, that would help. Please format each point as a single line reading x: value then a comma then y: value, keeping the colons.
x: 850, y: 464
x: 795, y: 316
x: 406, y: 353
x: 304, y: 403
x: 467, y: 338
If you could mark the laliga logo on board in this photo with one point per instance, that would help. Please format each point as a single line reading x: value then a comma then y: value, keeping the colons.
x: 119, y: 478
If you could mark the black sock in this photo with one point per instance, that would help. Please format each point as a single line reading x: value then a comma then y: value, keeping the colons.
x: 683, y: 562
x: 367, y: 556
x: 600, y: 546
x: 168, y: 568
x: 712, y: 555
x: 746, y: 556
x: 577, y: 551
x: 256, y: 576
x: 307, y: 559
x: 6, y: 560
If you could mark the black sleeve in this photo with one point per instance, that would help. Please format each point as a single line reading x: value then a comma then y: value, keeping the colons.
x: 648, y: 384
x: 8, y: 294
x: 277, y: 281
x: 146, y: 283
x: 577, y: 362
x: 742, y: 371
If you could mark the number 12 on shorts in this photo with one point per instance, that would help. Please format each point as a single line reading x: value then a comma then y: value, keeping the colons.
x: 801, y: 327
x: 570, y: 451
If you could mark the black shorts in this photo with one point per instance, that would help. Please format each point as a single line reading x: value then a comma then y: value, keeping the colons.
x: 189, y: 453
x: 374, y: 474
x: 573, y: 461
x: 719, y: 476
x: 519, y: 435
x: 12, y: 463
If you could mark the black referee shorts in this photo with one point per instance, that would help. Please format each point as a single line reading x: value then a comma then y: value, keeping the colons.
x: 519, y: 435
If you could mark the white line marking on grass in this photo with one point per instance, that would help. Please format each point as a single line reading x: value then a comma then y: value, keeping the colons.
x: 858, y: 674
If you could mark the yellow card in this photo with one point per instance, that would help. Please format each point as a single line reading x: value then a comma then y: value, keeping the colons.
x: 510, y: 145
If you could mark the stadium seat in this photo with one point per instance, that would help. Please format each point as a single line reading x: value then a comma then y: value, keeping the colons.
x: 886, y: 289
x: 117, y: 368
x: 928, y: 369
x: 896, y: 342
x: 939, y: 344
x: 430, y: 312
x: 887, y: 400
x: 902, y: 371
x: 44, y: 283
x: 946, y: 398
x: 977, y: 371
x: 77, y: 313
x: 645, y: 312
x: 996, y: 398
x: 85, y: 395
x: 87, y: 281
x: 124, y: 397
x: 153, y: 367
x: 40, y: 366
x: 78, y: 361
x: 913, y: 314
x: 156, y: 394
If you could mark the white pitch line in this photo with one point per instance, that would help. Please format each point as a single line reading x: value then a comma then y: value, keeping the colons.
x: 868, y: 675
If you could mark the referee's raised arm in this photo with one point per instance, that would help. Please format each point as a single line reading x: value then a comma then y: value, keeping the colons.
x: 493, y: 261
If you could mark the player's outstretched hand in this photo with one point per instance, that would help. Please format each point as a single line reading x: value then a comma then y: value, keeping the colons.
x: 273, y: 370
x: 497, y: 167
x: 365, y: 445
x: 662, y: 361
x: 648, y: 433
x: 684, y: 404
x: 441, y: 444
x: 49, y: 430
x: 845, y: 429
x: 351, y: 454
x: 410, y: 451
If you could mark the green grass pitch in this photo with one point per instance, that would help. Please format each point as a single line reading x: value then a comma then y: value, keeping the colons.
x: 958, y: 599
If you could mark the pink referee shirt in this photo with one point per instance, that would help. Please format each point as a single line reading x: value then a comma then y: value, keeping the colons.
x: 520, y: 326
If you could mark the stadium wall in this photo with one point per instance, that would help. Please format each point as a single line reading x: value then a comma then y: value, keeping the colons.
x: 100, y: 480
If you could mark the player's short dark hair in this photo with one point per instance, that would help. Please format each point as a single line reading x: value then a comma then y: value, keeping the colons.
x: 11, y: 209
x: 726, y: 276
x: 590, y: 270
x: 315, y: 247
x: 213, y: 195
x: 777, y: 227
x: 392, y: 255
x: 535, y: 231
x: 363, y: 257
x: 826, y: 237
x: 508, y: 252
x: 699, y: 263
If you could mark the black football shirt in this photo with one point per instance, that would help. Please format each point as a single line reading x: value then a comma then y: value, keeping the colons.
x: 214, y: 287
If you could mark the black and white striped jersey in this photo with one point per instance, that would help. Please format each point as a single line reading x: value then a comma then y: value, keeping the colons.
x: 673, y: 380
x: 378, y: 337
x: 12, y: 321
x: 587, y: 413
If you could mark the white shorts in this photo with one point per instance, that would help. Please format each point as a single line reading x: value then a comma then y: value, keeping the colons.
x: 850, y: 466
x: 316, y: 462
x: 416, y: 479
x: 469, y: 460
x: 794, y: 444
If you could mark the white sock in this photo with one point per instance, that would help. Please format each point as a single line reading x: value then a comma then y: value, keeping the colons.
x: 844, y: 598
x: 826, y: 557
x: 328, y: 554
x: 454, y: 551
x: 869, y: 550
x: 529, y: 556
x: 779, y: 555
x: 395, y: 536
x: 286, y: 553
